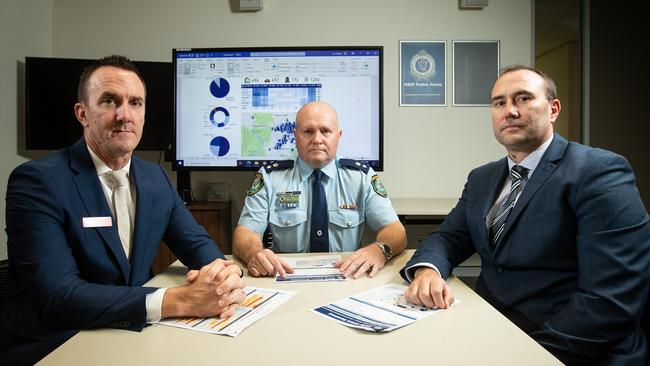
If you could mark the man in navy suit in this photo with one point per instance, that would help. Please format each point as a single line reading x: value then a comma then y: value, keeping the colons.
x: 561, y: 230
x: 74, y: 268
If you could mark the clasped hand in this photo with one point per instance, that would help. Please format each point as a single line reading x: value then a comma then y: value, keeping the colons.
x: 214, y: 290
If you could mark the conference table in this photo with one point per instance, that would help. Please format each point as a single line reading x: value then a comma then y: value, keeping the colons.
x: 471, y: 332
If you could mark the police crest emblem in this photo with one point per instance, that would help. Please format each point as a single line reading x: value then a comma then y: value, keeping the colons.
x: 378, y: 187
x: 257, y: 185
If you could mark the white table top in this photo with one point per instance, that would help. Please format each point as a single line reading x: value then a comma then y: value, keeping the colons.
x: 439, y: 207
x: 470, y: 333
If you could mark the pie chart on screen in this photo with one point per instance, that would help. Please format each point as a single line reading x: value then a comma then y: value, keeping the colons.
x: 219, y: 146
x: 219, y: 116
x: 219, y: 87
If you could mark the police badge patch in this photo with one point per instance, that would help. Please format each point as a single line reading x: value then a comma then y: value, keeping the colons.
x: 378, y: 187
x: 257, y: 185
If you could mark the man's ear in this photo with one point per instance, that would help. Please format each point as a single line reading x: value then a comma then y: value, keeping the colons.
x: 555, y: 109
x: 80, y: 113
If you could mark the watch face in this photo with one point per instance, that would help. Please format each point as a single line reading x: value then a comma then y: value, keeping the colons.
x: 388, y: 252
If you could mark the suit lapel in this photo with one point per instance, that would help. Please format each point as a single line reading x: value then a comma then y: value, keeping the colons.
x: 543, y: 171
x: 93, y: 199
x: 144, y: 205
x: 494, y: 185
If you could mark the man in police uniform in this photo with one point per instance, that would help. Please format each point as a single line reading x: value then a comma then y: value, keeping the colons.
x: 285, y: 196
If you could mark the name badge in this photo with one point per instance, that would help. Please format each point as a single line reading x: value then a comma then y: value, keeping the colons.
x: 99, y: 221
x: 288, y: 199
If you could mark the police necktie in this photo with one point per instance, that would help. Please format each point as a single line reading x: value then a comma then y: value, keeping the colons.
x: 517, y: 174
x: 119, y: 183
x: 318, y: 236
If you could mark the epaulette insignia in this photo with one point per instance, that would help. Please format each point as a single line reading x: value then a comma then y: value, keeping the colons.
x: 278, y: 165
x: 354, y: 164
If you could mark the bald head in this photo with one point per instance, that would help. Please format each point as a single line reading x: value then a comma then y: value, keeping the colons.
x: 317, y: 108
x: 317, y: 133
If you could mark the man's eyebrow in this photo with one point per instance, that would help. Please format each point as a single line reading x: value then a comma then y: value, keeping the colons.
x: 107, y: 94
x: 515, y: 94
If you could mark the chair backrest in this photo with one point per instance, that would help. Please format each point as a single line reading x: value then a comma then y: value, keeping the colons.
x: 7, y: 283
x: 645, y: 322
x: 267, y: 238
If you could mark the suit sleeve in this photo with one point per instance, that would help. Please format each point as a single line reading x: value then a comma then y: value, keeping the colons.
x: 48, y: 276
x: 613, y: 251
x: 186, y: 238
x: 451, y: 244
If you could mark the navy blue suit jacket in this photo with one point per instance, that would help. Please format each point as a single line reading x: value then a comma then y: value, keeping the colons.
x: 71, y: 277
x: 572, y: 267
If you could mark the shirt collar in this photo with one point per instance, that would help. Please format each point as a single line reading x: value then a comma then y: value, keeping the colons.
x: 305, y: 170
x: 101, y: 167
x: 531, y: 161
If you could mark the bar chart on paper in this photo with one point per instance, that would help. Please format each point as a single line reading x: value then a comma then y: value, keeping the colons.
x: 258, y: 303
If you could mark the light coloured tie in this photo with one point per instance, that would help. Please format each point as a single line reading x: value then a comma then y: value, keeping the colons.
x: 119, y: 183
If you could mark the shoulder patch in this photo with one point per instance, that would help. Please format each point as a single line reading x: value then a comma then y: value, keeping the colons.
x: 354, y: 164
x: 378, y: 187
x: 278, y: 165
x: 257, y: 185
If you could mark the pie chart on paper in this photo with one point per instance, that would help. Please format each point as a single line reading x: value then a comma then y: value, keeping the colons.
x: 219, y: 146
x: 219, y: 87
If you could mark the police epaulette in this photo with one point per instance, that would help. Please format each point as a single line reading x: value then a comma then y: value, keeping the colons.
x: 278, y: 165
x: 355, y: 164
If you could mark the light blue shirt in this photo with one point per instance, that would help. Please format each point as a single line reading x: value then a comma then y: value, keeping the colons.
x: 352, y: 202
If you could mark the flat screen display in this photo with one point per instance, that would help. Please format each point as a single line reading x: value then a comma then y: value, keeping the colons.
x: 235, y: 108
x: 51, y: 93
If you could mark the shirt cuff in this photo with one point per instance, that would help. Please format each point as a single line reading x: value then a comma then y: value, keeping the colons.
x: 410, y: 271
x: 153, y: 304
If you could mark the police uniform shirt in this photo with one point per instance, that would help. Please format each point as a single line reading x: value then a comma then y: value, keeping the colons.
x: 280, y: 197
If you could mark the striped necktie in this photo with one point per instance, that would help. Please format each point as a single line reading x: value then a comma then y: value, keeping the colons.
x: 517, y: 174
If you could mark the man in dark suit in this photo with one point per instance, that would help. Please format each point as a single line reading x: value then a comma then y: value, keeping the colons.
x: 561, y: 230
x: 80, y: 255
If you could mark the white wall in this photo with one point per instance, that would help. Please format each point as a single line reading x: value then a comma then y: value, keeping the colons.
x: 25, y: 30
x: 428, y: 150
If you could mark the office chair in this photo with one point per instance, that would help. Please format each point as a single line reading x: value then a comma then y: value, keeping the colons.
x: 645, y: 322
x: 7, y: 283
x: 267, y: 238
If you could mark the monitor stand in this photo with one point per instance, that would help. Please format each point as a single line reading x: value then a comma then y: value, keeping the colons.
x: 184, y: 185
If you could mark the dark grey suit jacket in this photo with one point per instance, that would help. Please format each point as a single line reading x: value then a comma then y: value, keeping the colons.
x: 572, y: 266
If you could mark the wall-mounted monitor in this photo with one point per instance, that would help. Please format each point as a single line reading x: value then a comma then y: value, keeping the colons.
x: 235, y: 108
x: 51, y: 93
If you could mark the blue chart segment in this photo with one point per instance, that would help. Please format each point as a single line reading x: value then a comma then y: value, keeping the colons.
x: 219, y: 116
x: 219, y: 146
x: 219, y: 87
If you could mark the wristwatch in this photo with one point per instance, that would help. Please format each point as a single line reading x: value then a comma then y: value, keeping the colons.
x: 385, y: 248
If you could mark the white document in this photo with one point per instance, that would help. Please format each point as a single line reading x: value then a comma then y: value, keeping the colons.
x: 316, y: 268
x: 258, y: 303
x: 381, y: 309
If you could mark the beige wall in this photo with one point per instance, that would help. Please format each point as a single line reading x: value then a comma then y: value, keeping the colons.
x: 428, y: 151
x: 25, y: 30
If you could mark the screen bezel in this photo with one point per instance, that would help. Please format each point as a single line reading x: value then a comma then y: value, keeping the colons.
x: 175, y: 51
x: 61, y: 80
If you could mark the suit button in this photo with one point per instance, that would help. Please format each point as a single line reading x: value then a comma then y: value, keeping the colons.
x: 349, y: 223
x: 499, y: 269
